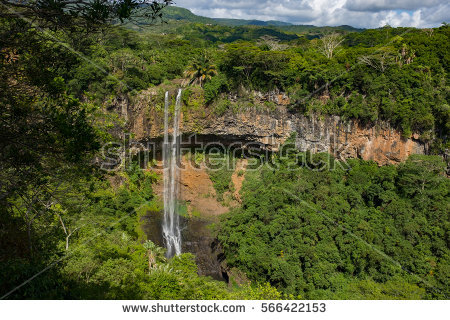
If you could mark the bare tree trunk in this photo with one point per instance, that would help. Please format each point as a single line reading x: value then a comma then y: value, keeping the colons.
x: 67, y: 232
x: 67, y: 242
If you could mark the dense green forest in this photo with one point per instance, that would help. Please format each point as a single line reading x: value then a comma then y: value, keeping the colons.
x: 365, y: 233
x: 70, y: 230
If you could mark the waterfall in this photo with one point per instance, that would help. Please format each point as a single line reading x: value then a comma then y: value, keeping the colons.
x: 171, y: 157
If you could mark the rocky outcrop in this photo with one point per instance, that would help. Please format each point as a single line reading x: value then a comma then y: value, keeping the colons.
x: 196, y: 190
x: 272, y: 126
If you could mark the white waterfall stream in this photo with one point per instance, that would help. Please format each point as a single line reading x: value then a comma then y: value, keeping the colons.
x: 171, y: 157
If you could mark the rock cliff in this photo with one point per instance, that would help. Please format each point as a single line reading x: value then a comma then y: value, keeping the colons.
x: 271, y: 126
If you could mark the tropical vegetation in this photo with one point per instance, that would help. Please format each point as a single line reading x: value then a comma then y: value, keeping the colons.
x: 69, y: 229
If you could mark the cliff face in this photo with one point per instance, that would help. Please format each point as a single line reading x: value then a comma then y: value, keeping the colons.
x: 272, y: 127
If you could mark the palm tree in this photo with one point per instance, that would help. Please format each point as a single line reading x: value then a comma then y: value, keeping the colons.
x: 153, y: 252
x: 201, y: 70
x: 164, y: 268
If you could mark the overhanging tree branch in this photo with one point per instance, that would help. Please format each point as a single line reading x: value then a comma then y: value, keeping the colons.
x: 59, y: 14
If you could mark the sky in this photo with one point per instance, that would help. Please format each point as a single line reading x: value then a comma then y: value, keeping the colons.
x: 357, y: 13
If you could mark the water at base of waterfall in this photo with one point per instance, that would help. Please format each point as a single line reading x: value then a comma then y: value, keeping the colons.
x: 171, y: 156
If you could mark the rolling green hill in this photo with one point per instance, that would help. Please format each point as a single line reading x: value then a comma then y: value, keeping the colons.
x: 177, y: 13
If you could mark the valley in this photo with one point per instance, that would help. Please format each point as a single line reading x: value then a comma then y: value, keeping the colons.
x: 148, y: 153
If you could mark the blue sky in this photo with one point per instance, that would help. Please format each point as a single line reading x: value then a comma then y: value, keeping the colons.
x: 358, y: 13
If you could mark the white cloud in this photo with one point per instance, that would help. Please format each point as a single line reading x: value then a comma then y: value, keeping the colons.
x: 358, y: 13
x: 383, y: 5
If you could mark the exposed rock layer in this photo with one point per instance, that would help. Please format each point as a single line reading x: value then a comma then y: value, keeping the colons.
x: 272, y: 127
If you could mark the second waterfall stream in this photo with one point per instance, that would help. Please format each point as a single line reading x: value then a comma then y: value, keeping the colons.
x: 171, y: 157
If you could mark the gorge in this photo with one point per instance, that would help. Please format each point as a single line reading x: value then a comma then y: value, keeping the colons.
x: 258, y: 125
x: 280, y: 169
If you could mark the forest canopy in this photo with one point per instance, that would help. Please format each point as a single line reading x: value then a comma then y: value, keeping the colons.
x: 369, y: 232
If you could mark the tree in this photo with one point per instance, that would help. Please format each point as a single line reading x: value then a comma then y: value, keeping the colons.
x: 239, y: 61
x: 247, y: 65
x: 201, y: 70
x: 49, y: 136
x: 379, y: 60
x: 329, y: 44
x: 85, y: 14
x: 406, y: 55
x: 421, y: 176
x: 154, y: 253
x: 272, y: 43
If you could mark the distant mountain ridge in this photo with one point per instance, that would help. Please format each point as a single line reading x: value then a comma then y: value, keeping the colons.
x: 242, y: 22
x: 178, y: 13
